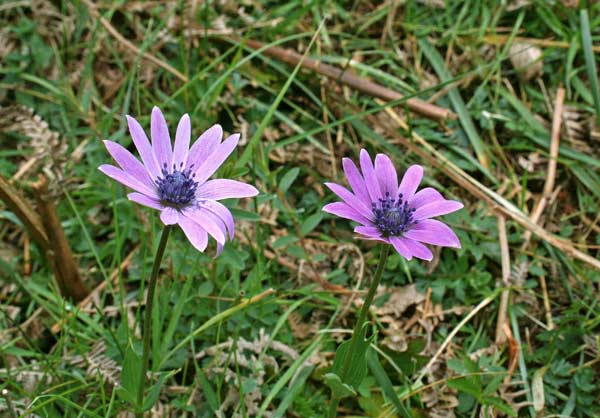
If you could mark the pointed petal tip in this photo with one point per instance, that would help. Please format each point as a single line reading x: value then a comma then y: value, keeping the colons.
x: 254, y: 190
x: 108, y: 144
x: 103, y: 167
x: 416, y: 167
x: 327, y: 208
x: 233, y: 137
x: 219, y: 250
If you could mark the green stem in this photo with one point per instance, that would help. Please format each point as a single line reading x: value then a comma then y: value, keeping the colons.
x: 148, y: 319
x: 359, y: 324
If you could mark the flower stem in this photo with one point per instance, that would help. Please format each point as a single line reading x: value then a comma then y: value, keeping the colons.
x: 362, y: 316
x: 148, y: 319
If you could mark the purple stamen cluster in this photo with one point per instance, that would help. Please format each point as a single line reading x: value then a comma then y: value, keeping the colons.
x: 178, y: 188
x: 392, y: 216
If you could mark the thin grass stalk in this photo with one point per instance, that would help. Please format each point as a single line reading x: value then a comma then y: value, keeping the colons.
x: 148, y: 319
x: 385, y: 250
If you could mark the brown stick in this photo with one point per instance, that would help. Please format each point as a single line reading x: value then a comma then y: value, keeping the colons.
x: 554, y: 143
x: 358, y: 83
x: 538, y: 209
x: 547, y: 309
x: 501, y: 335
x: 22, y: 208
x: 496, y: 202
x: 547, y: 43
x: 65, y: 269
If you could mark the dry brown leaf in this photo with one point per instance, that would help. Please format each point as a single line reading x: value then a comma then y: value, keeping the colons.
x: 400, y: 299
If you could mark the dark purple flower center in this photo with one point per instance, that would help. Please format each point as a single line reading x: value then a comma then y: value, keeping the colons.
x: 392, y: 216
x: 178, y: 188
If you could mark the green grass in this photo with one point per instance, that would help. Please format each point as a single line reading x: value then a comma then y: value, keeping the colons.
x: 213, y: 343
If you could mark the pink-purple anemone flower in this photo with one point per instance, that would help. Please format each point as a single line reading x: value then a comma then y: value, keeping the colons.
x: 390, y: 212
x: 175, y: 180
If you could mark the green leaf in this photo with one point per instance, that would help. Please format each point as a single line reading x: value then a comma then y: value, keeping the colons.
x: 357, y: 363
x: 385, y: 383
x: 284, y: 241
x: 310, y: 223
x: 338, y: 388
x: 130, y: 376
x: 244, y: 215
x: 500, y: 405
x: 153, y: 393
x: 467, y: 385
x: 208, y: 391
x: 288, y: 178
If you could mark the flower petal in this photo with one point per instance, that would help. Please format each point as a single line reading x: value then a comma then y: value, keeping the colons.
x: 344, y: 211
x: 223, y: 213
x: 204, y: 146
x: 169, y: 215
x: 417, y: 249
x: 368, y: 231
x: 161, y: 140
x: 366, y: 165
x: 431, y: 231
x: 400, y: 246
x: 143, y: 146
x: 142, y: 199
x: 436, y: 208
x: 209, y: 222
x: 356, y: 181
x: 424, y: 196
x: 194, y: 233
x: 386, y: 173
x: 127, y: 180
x: 129, y: 163
x: 410, y: 182
x: 219, y: 250
x: 209, y: 166
x: 225, y: 189
x: 350, y: 199
x: 182, y: 142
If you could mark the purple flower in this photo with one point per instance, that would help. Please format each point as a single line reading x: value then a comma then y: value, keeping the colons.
x: 175, y: 180
x: 392, y: 213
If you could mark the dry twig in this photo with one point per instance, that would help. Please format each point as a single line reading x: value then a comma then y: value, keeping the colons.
x: 361, y: 84
x: 501, y: 324
x: 60, y: 255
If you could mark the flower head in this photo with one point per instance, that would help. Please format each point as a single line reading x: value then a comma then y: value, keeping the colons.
x: 175, y: 180
x: 390, y: 212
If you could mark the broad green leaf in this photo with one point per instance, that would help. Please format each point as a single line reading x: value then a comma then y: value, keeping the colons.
x: 130, y: 376
x: 338, y: 388
x: 357, y: 363
x: 288, y: 178
x: 152, y: 395
x: 467, y: 385
x: 310, y: 223
x: 385, y: 383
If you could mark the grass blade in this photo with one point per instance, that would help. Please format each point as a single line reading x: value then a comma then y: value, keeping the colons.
x: 384, y: 381
x: 590, y: 60
x: 437, y: 62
